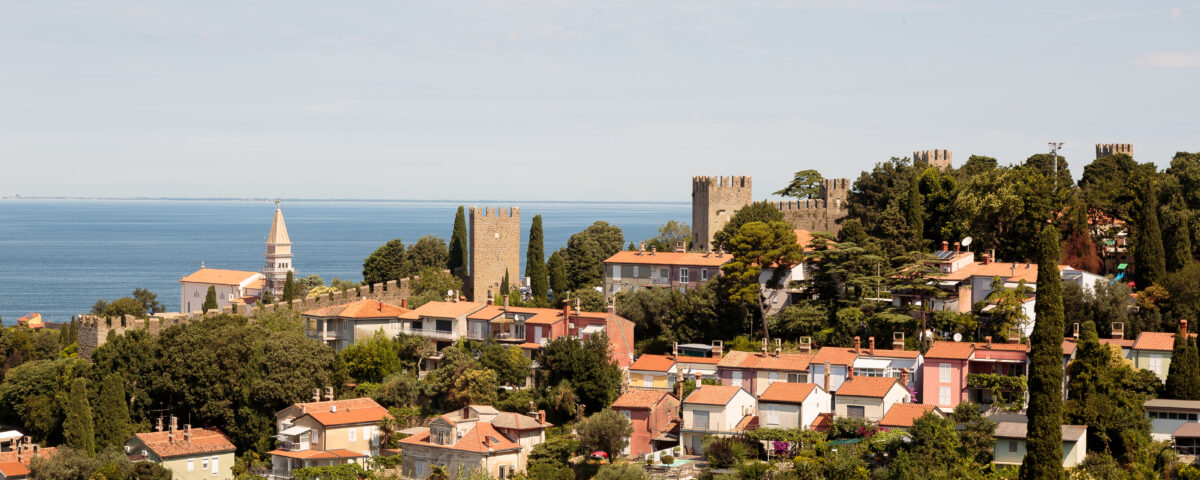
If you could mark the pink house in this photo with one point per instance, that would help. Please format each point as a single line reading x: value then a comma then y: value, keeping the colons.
x: 947, y: 366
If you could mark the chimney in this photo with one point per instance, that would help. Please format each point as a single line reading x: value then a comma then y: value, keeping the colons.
x: 699, y: 379
x: 1012, y: 270
x: 679, y: 382
x: 653, y: 251
x: 957, y: 247
x: 679, y: 247
x: 805, y: 344
x: 171, y: 432
x: 491, y: 299
x: 506, y: 303
x: 187, y: 432
x: 718, y: 348
x: 404, y: 303
x: 764, y: 347
x: 989, y: 340
x: 566, y: 309
x: 871, y: 345
x: 316, y: 395
x: 827, y: 374
x: 945, y: 246
x: 897, y: 340
x: 612, y: 306
x: 158, y: 424
x: 904, y: 378
x: 541, y: 416
x: 1183, y: 327
x: 577, y: 302
x: 849, y: 372
x: 778, y: 347
x: 857, y: 344
x: 1014, y: 337
x: 1076, y: 335
x: 328, y: 394
x: 457, y: 294
x: 333, y: 408
x: 642, y: 248
x: 987, y: 258
x: 675, y: 349
x: 1118, y: 330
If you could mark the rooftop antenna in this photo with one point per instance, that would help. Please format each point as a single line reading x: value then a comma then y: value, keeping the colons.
x: 966, y: 242
x: 1054, y: 146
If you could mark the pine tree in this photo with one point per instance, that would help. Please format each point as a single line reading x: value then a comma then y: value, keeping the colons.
x: 1043, y: 459
x: 458, y: 243
x: 210, y: 299
x: 289, y: 289
x: 1149, y: 260
x: 535, y: 262
x: 113, y: 425
x: 78, y: 429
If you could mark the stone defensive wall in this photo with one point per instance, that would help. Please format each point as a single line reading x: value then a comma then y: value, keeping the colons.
x: 94, y: 330
x: 822, y: 214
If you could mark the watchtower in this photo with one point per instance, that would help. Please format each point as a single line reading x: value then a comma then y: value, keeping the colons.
x: 1110, y: 149
x: 495, y: 249
x: 714, y: 201
x: 939, y: 159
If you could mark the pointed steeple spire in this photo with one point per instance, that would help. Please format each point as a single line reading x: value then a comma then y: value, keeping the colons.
x: 279, y: 254
x: 278, y: 235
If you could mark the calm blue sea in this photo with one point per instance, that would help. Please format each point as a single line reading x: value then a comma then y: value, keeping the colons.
x: 57, y: 257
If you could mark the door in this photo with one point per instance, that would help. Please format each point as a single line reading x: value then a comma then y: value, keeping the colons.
x: 697, y: 445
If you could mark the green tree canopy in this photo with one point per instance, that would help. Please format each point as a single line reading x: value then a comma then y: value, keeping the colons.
x: 588, y: 365
x: 606, y: 431
x: 371, y: 360
x: 1044, y: 457
x: 535, y: 262
x: 428, y: 252
x: 113, y: 425
x: 458, y: 244
x: 149, y: 300
x: 764, y: 212
x: 210, y: 300
x: 79, y: 428
x: 758, y: 245
x: 586, y: 252
x: 804, y: 184
x: 385, y: 263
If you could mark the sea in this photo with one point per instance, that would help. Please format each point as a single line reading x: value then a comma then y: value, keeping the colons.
x: 58, y: 256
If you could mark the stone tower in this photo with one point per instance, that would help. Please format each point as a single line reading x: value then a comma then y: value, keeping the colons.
x: 939, y: 159
x: 1110, y: 149
x: 714, y: 201
x: 495, y: 249
x: 279, y: 254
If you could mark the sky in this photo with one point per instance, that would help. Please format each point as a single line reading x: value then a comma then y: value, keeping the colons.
x: 569, y: 100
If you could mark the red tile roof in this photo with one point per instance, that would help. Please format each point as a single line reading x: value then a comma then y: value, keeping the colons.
x: 670, y: 258
x: 203, y: 441
x: 349, y: 411
x: 876, y: 387
x: 1156, y: 341
x: 443, y: 310
x: 950, y: 350
x: 783, y: 392
x: 712, y: 395
x: 10, y: 467
x: 217, y: 276
x: 835, y: 356
x: 822, y: 423
x: 1012, y: 272
x: 14, y: 469
x: 358, y: 309
x: 639, y: 399
x: 748, y: 422
x: 482, y: 438
x: 903, y: 414
x: 653, y: 363
x: 790, y: 362
x: 702, y: 360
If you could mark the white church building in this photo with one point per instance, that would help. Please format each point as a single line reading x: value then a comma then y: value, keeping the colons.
x: 237, y: 286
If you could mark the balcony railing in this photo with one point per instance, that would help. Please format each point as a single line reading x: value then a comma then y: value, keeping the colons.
x: 660, y: 280
x: 293, y: 446
x: 434, y: 334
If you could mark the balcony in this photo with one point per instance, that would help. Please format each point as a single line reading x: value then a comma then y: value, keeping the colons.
x: 293, y: 446
x: 660, y: 281
x: 447, y: 335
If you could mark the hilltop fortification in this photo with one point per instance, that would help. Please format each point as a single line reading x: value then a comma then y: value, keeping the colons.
x: 495, y: 249
x: 821, y: 214
x: 714, y: 201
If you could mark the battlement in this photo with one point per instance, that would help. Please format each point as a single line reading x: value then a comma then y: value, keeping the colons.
x: 1110, y: 149
x: 705, y: 183
x: 940, y: 159
x: 714, y: 201
x: 513, y: 212
x: 809, y: 204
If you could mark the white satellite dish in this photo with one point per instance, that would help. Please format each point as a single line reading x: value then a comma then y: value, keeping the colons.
x: 966, y: 242
x: 929, y: 334
x: 958, y: 337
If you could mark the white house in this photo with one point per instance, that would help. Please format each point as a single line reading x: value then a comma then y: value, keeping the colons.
x: 1010, y: 443
x: 869, y: 397
x: 1167, y: 415
x: 724, y: 410
x: 792, y: 405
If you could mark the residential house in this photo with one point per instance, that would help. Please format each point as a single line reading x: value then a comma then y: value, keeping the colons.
x: 476, y: 437
x: 630, y: 270
x: 902, y: 415
x: 1186, y: 439
x: 754, y: 372
x: 655, y: 418
x: 1167, y: 415
x: 232, y: 287
x: 946, y: 373
x: 15, y: 463
x: 868, y: 362
x: 723, y: 410
x: 831, y: 366
x: 693, y: 358
x: 31, y: 320
x: 324, y: 433
x: 870, y: 397
x: 1009, y: 448
x: 788, y: 290
x: 1152, y: 351
x: 532, y: 328
x: 687, y: 360
x: 340, y: 326
x: 190, y: 454
x: 650, y: 371
x: 792, y: 405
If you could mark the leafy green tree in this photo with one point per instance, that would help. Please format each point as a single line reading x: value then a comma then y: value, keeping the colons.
x: 113, y: 425
x: 289, y: 289
x: 1105, y: 394
x: 975, y: 432
x: 1044, y: 457
x: 505, y: 288
x: 1109, y: 184
x: 621, y: 471
x: 458, y: 244
x: 805, y: 184
x: 210, y: 300
x: 535, y: 262
x: 560, y: 282
x: 874, y: 192
x: 1009, y: 311
x: 371, y: 360
x: 670, y: 235
x: 802, y: 319
x: 606, y: 431
x: 310, y: 282
x: 78, y: 428
x: 432, y: 285
x: 586, y: 252
x: 757, y: 245
x: 476, y: 386
x: 132, y: 307
x: 399, y: 389
x: 764, y: 212
x: 556, y: 450
x: 587, y: 364
x: 1183, y: 376
x: 428, y: 252
x: 149, y: 301
x: 385, y: 263
x: 511, y: 365
x: 1149, y: 258
x: 934, y: 452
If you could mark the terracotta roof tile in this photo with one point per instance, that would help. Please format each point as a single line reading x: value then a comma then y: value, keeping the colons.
x: 349, y: 411
x: 358, y: 309
x: 713, y: 395
x: 783, y: 392
x: 217, y: 276
x: 639, y: 399
x: 1156, y: 341
x: 203, y: 440
x: 787, y: 362
x: 653, y: 363
x: 669, y: 258
x: 482, y: 438
x: 835, y: 356
x: 859, y: 386
x: 903, y: 414
x: 685, y: 359
x: 950, y: 350
x: 14, y: 469
x: 748, y: 422
x: 823, y: 422
x: 516, y: 421
x: 443, y: 310
x: 1013, y: 272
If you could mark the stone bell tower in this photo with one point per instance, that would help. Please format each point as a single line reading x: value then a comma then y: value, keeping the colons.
x: 279, y: 254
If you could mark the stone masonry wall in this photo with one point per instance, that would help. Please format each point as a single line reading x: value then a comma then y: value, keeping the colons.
x: 822, y: 214
x: 94, y: 330
x: 1110, y: 149
x: 495, y: 246
x: 940, y: 159
x: 714, y: 201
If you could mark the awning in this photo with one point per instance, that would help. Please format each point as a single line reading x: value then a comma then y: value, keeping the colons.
x: 592, y: 329
x: 296, y: 430
x: 873, y: 363
x: 9, y: 435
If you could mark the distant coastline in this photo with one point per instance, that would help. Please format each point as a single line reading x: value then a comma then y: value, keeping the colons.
x: 344, y: 200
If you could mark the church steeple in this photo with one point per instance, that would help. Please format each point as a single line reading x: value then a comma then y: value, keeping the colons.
x: 279, y: 253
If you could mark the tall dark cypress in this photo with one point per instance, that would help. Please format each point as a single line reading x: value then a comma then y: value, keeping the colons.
x: 1043, y: 459
x: 458, y: 243
x: 78, y: 428
x: 1177, y: 237
x: 210, y: 299
x: 1149, y: 259
x: 504, y: 285
x: 113, y: 425
x: 535, y: 261
x: 289, y: 288
x: 1178, y: 375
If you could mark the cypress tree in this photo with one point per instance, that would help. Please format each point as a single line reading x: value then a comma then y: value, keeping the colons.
x: 210, y: 299
x: 535, y: 262
x: 1191, y: 361
x: 1179, y: 376
x: 289, y: 288
x: 113, y: 425
x: 458, y: 244
x: 504, y: 284
x: 1176, y: 237
x: 1043, y: 460
x: 557, y: 266
x: 1149, y: 260
x: 78, y: 429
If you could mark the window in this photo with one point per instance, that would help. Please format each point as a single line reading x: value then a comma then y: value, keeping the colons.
x: 944, y: 396
x: 191, y: 465
x: 703, y: 274
x: 683, y: 275
x: 628, y: 415
x: 647, y: 380
x: 1156, y: 363
x: 445, y: 325
x: 367, y: 434
x: 418, y: 326
x: 737, y: 377
x: 772, y: 415
x: 352, y: 434
x: 420, y: 468
x: 700, y: 419
x: 616, y: 272
x: 204, y: 463
x: 635, y: 270
x: 772, y: 377
x: 944, y: 372
x: 663, y: 273
x: 1012, y: 446
x: 856, y: 411
x: 797, y: 378
x: 216, y: 462
x: 503, y: 472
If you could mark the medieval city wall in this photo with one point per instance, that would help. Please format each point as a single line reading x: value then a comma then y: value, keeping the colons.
x: 822, y: 214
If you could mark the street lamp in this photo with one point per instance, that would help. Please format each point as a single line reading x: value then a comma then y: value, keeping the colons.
x: 1054, y: 146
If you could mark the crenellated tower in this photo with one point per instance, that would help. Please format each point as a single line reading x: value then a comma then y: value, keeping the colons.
x: 1110, y: 149
x: 714, y: 201
x: 495, y: 248
x: 939, y: 159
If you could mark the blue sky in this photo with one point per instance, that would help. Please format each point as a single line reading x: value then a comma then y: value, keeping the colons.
x: 558, y: 100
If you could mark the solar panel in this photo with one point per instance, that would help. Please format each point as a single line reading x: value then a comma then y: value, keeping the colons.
x: 944, y: 254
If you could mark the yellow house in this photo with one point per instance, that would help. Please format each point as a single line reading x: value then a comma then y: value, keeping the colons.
x: 652, y: 372
x: 317, y: 434
x: 190, y: 454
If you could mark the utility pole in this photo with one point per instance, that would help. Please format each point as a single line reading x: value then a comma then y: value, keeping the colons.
x: 1054, y: 146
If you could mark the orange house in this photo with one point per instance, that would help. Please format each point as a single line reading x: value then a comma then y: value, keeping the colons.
x: 655, y: 418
